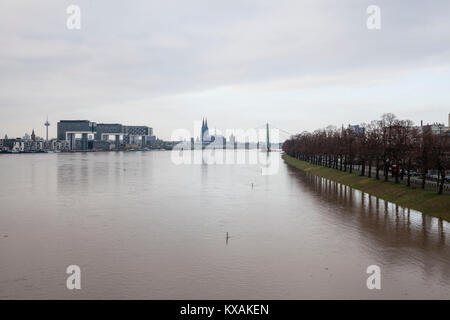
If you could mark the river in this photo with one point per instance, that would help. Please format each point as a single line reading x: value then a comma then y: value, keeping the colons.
x: 140, y: 226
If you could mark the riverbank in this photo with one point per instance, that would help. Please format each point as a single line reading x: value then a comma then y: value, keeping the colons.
x: 424, y: 201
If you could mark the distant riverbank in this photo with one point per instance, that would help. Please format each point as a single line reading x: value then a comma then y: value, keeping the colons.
x: 424, y: 201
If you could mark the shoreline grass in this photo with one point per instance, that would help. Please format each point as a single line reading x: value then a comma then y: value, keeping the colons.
x: 427, y: 202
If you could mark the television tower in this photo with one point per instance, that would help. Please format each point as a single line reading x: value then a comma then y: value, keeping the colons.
x: 47, y: 124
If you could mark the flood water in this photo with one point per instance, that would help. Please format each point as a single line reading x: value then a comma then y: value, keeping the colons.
x: 141, y: 227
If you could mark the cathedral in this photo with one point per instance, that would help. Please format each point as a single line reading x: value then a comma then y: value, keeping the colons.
x: 205, y: 137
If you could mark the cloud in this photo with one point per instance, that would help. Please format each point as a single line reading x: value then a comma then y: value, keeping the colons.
x: 235, y: 61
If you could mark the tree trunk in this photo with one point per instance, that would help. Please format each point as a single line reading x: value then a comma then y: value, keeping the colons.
x: 396, y: 174
x: 441, y: 185
x: 363, y: 168
x: 424, y: 176
x: 408, y: 183
x: 386, y: 171
x: 377, y: 175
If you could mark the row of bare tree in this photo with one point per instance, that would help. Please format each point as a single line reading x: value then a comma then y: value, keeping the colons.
x: 390, y: 146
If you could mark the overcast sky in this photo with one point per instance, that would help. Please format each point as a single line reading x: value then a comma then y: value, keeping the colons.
x: 301, y: 65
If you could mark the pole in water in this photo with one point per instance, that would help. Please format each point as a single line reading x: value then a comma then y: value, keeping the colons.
x: 227, y: 238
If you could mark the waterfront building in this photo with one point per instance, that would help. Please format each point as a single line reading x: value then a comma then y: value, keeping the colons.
x: 102, y: 145
x: 7, y: 144
x: 56, y: 145
x: 436, y: 128
x: 133, y: 136
x: 232, y: 142
x: 3, y: 148
x: 219, y: 142
x: 357, y: 128
x: 19, y: 146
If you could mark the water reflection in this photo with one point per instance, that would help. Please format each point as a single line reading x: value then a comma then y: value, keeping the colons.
x: 402, y: 225
x: 387, y: 224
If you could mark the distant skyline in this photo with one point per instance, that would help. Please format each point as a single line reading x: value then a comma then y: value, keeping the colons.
x: 301, y: 65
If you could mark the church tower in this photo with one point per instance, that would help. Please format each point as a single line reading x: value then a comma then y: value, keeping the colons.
x: 205, y: 138
x: 203, y: 129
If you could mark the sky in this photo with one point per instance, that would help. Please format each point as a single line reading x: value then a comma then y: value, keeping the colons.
x: 299, y: 65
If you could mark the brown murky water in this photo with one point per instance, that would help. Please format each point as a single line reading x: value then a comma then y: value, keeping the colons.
x: 142, y: 227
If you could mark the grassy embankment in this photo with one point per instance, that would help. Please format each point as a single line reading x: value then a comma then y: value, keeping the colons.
x: 424, y: 201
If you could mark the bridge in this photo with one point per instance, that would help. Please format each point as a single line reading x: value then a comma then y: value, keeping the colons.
x: 267, y: 127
